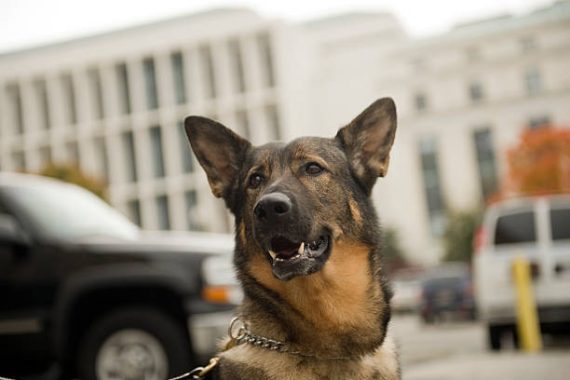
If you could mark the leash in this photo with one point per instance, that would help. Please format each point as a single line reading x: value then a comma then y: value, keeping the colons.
x: 200, y: 373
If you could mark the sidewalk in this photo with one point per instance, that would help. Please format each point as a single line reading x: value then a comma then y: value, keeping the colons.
x: 552, y: 365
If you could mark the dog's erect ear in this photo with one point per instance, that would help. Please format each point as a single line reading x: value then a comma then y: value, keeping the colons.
x: 367, y: 141
x: 220, y: 151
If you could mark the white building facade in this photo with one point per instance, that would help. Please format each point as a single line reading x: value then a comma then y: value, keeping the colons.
x: 464, y: 98
x: 114, y: 105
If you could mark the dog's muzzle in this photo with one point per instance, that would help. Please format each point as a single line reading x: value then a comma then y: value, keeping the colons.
x: 286, y: 237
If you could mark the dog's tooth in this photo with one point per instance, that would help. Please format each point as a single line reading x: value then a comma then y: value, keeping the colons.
x: 273, y: 254
x: 301, y: 248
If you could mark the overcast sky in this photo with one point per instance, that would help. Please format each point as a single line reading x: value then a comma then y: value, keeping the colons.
x: 25, y: 23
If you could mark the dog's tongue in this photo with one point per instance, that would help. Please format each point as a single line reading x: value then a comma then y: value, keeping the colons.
x: 284, y: 248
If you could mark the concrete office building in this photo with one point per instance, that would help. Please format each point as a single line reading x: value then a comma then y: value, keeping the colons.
x: 464, y: 98
x: 114, y: 104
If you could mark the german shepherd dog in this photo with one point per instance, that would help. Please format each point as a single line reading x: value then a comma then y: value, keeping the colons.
x: 308, y: 249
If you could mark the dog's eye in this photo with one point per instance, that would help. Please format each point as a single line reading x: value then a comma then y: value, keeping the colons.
x: 255, y: 180
x: 312, y: 168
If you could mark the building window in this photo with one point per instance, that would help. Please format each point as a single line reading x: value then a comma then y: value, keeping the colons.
x: 208, y: 71
x: 533, y: 81
x: 40, y: 88
x: 102, y: 157
x: 473, y: 54
x: 162, y: 212
x: 122, y: 74
x: 539, y: 121
x: 15, y: 105
x: 157, y: 152
x: 267, y: 64
x: 273, y: 123
x: 45, y: 156
x: 150, y: 83
x: 236, y: 60
x: 528, y: 44
x: 476, y: 92
x: 130, y: 156
x: 69, y: 98
x: 134, y: 210
x: 186, y: 154
x: 191, y: 200
x: 242, y: 120
x: 418, y: 64
x: 486, y: 164
x: 420, y: 101
x: 72, y: 149
x: 177, y: 62
x: 96, y: 91
x: 432, y: 185
x: 18, y: 161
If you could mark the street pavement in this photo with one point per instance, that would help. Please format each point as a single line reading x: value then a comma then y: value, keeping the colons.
x: 484, y: 366
x: 457, y: 351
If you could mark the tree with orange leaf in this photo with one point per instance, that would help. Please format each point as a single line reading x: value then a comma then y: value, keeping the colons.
x: 540, y: 162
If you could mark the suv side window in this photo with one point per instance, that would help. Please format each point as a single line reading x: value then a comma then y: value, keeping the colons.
x: 560, y: 223
x: 515, y: 228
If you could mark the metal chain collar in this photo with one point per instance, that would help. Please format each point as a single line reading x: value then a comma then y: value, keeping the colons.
x: 239, y: 333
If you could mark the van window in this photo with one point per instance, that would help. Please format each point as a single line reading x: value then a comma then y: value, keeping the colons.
x: 560, y: 223
x: 515, y: 228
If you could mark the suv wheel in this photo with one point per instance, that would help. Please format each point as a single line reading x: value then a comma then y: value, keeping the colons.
x: 133, y: 344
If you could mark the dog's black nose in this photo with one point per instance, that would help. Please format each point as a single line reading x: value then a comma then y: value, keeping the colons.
x: 273, y: 207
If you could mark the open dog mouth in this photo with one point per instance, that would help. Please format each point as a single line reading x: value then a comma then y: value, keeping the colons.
x: 283, y: 249
x: 292, y: 258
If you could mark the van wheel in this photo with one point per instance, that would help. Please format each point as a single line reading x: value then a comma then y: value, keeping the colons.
x: 134, y: 343
x: 495, y: 334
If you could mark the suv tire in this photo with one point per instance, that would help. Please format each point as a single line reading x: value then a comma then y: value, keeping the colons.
x: 133, y: 340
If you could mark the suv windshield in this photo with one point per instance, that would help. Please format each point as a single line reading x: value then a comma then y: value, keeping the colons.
x: 69, y: 212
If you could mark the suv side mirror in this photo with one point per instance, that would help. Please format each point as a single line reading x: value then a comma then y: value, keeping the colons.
x: 10, y: 231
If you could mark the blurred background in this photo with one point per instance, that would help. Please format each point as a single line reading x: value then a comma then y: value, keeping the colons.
x: 95, y: 93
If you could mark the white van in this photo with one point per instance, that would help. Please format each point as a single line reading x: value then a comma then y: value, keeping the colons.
x: 537, y: 228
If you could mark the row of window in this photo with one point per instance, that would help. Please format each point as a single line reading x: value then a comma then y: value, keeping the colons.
x: 156, y: 148
x: 487, y: 169
x: 97, y: 91
x: 156, y: 151
x: 476, y: 91
x: 157, y: 144
x: 162, y: 211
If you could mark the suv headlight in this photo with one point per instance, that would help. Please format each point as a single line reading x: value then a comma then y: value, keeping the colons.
x: 220, y: 282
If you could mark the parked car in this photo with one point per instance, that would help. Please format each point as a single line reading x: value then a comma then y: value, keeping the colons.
x: 538, y: 229
x: 447, y: 291
x: 407, y: 286
x: 84, y: 288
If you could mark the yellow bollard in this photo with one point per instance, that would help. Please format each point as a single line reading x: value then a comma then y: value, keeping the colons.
x: 527, y: 319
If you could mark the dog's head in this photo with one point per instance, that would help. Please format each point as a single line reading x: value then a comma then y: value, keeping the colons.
x: 294, y: 201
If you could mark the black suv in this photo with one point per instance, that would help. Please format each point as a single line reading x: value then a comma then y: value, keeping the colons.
x: 84, y: 293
